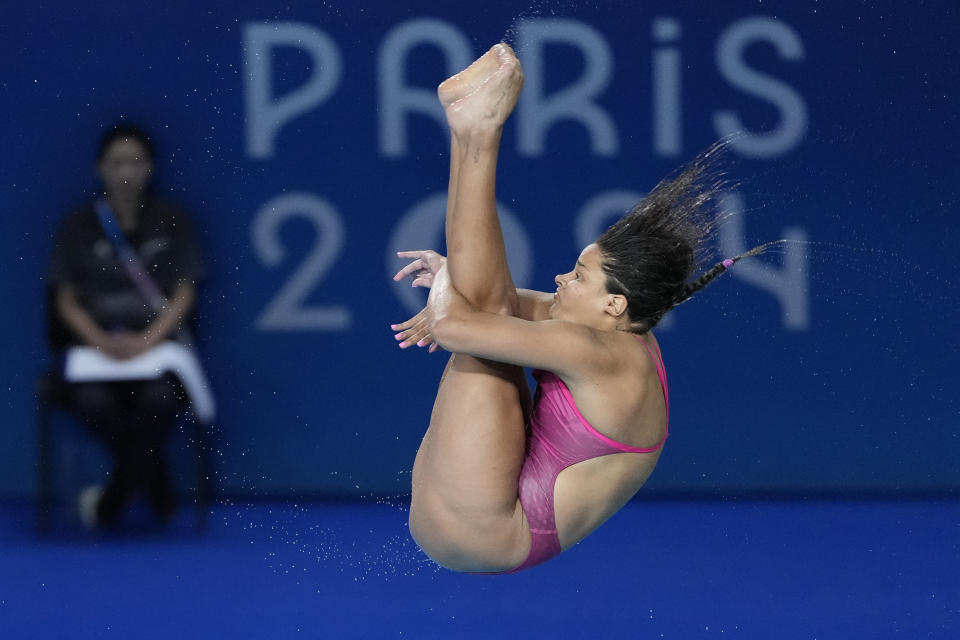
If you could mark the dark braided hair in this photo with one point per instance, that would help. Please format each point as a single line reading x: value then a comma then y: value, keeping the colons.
x: 651, y: 252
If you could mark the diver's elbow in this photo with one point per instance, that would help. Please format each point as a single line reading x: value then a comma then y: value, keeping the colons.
x: 446, y: 332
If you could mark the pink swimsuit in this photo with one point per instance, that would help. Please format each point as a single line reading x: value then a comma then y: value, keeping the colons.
x: 558, y: 437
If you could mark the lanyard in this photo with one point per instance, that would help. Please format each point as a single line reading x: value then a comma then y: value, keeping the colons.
x: 129, y: 259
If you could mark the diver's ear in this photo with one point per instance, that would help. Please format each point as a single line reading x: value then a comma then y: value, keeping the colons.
x: 616, y: 305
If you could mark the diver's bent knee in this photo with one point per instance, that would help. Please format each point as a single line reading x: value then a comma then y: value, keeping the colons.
x: 430, y: 536
x: 459, y: 545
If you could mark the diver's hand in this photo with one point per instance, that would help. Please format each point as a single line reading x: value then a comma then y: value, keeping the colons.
x: 422, y: 269
x: 416, y: 331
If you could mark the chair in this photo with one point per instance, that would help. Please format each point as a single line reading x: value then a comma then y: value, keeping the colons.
x: 52, y: 396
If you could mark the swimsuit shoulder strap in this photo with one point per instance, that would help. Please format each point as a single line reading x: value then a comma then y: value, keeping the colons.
x: 657, y: 357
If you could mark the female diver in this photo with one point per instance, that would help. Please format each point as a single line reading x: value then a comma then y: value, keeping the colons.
x: 486, y: 495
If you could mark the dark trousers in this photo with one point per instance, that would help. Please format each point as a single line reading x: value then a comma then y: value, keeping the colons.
x: 133, y: 421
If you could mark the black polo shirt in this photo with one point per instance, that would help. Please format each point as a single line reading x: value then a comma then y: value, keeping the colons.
x: 84, y: 257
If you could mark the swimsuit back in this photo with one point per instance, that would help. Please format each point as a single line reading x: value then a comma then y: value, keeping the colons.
x: 559, y: 437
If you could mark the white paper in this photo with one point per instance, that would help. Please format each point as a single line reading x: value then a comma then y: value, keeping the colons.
x: 88, y: 364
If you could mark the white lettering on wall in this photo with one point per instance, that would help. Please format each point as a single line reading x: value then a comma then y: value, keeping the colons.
x: 731, y: 47
x: 265, y: 113
x: 396, y: 100
x: 789, y: 284
x: 537, y: 112
x: 287, y: 311
x: 667, y: 84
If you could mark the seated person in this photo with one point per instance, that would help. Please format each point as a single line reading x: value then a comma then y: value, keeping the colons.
x: 122, y: 279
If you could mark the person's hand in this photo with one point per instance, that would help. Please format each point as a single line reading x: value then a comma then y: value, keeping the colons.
x: 422, y: 269
x: 416, y: 331
x: 123, y: 345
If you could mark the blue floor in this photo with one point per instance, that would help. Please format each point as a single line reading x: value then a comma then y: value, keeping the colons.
x: 724, y: 569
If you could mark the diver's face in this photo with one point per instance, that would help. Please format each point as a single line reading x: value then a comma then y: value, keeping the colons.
x: 125, y: 168
x: 582, y: 292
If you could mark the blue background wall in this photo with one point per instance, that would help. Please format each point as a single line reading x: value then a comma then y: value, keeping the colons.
x: 832, y: 369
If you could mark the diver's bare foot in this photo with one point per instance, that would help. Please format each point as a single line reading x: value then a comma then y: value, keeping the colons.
x: 470, y: 79
x: 482, y: 96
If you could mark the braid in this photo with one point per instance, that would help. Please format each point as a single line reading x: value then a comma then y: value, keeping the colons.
x: 690, y: 288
